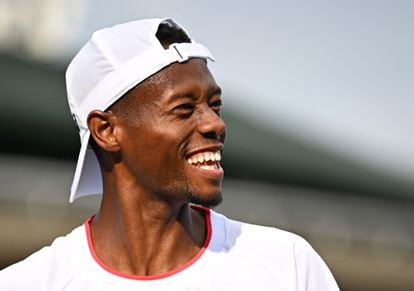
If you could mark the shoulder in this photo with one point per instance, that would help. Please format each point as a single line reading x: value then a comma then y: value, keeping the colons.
x: 26, y: 273
x: 280, y: 251
x: 36, y: 271
x: 259, y: 235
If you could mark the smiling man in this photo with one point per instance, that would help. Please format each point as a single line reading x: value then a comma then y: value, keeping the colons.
x: 148, y: 112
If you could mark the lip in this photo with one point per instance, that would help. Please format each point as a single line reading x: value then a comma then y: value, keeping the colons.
x: 216, y: 174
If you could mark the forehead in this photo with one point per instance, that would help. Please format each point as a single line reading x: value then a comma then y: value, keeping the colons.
x: 193, y: 76
x: 193, y: 73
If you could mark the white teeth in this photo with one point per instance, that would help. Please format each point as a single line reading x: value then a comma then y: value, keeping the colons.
x: 217, y: 156
x: 205, y: 157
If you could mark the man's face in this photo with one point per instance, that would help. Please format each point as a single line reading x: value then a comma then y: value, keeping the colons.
x: 172, y: 136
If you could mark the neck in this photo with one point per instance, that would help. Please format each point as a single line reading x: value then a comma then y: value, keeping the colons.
x: 145, y: 237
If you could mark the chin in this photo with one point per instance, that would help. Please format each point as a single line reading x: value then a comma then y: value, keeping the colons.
x: 209, y: 201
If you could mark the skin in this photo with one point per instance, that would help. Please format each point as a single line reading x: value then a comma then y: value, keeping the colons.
x: 145, y: 225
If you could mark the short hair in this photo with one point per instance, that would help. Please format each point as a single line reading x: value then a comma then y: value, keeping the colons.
x: 169, y: 32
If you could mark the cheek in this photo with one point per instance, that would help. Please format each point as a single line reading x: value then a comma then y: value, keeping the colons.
x: 156, y: 149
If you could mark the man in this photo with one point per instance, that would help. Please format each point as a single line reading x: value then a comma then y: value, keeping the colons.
x: 148, y: 112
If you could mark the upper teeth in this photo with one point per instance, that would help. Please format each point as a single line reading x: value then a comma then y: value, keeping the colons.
x: 205, y: 157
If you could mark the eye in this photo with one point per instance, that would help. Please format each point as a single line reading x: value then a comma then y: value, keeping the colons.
x: 184, y: 109
x: 216, y: 105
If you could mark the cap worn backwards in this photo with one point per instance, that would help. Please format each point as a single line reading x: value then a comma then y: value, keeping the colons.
x: 111, y: 63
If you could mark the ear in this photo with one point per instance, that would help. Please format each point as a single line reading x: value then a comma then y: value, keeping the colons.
x: 102, y: 127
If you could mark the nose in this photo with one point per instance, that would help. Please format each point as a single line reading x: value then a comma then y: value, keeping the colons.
x: 211, y: 125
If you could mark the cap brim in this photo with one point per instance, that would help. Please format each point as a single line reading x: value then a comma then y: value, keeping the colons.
x: 88, y: 178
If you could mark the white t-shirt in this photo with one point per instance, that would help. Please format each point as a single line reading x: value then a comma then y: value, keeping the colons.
x: 235, y: 256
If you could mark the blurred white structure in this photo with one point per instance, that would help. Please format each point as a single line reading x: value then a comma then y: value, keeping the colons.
x: 336, y: 74
x: 368, y: 243
x: 42, y: 29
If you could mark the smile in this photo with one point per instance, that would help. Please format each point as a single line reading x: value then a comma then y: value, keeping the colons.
x: 208, y: 160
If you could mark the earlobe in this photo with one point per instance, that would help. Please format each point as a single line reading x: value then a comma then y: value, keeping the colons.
x: 102, y: 128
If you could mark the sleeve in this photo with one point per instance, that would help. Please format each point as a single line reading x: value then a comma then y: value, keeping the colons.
x: 311, y: 271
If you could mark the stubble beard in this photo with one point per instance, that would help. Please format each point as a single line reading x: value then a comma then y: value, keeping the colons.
x: 171, y: 193
x: 209, y: 202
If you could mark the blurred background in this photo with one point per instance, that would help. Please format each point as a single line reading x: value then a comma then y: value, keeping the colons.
x: 319, y: 104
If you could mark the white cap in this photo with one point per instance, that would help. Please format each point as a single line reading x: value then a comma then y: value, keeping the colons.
x: 111, y: 63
